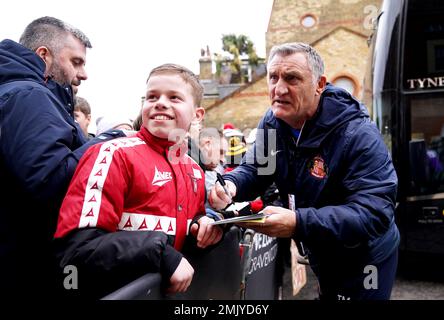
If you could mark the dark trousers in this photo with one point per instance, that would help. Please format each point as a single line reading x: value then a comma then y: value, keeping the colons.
x: 372, y: 282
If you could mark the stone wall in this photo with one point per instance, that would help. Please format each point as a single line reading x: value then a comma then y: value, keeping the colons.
x: 285, y: 20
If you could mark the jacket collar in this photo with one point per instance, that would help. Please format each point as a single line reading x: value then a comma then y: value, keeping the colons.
x: 163, y: 146
x: 65, y: 94
x: 18, y: 63
x: 336, y: 107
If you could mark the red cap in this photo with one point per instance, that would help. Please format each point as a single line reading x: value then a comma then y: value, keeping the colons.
x: 228, y: 125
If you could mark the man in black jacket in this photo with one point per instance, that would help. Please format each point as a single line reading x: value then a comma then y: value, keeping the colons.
x: 334, y: 174
x: 40, y: 146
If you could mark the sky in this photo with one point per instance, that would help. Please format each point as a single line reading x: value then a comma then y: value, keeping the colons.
x: 131, y: 37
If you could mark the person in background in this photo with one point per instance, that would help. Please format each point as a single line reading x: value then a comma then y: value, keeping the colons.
x: 227, y: 127
x: 212, y: 155
x: 106, y: 123
x: 133, y: 201
x: 334, y: 174
x: 236, y: 148
x: 220, y: 168
x: 137, y: 123
x: 212, y: 146
x: 82, y: 114
x: 40, y: 146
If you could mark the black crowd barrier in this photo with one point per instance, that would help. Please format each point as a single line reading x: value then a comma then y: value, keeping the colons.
x: 262, y: 271
x: 242, y: 266
x: 146, y: 287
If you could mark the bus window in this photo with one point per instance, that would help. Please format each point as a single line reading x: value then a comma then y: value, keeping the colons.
x: 423, y: 88
x: 424, y: 47
x: 427, y: 126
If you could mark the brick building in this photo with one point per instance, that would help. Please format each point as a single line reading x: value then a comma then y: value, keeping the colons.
x: 337, y: 29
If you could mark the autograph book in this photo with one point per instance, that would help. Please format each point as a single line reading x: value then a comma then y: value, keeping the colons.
x: 251, y: 218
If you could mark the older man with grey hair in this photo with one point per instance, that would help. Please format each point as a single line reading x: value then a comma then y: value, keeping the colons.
x: 40, y: 146
x: 334, y: 174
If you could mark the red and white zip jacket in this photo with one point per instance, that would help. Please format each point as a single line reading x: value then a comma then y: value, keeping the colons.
x: 134, y: 184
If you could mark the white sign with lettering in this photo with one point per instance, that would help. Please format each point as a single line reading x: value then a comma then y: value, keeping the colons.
x: 425, y: 83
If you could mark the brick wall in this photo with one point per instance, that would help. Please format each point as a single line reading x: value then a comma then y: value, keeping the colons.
x: 244, y: 108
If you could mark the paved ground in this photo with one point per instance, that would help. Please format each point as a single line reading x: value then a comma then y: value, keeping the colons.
x: 404, y: 288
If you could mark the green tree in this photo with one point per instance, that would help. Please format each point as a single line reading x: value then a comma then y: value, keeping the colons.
x: 237, y: 46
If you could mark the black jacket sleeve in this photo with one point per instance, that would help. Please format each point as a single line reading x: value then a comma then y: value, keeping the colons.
x: 108, y: 261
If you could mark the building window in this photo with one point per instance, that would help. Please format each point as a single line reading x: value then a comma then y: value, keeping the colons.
x: 347, y: 82
x: 309, y: 20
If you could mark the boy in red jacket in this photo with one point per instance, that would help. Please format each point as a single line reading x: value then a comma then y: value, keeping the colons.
x: 146, y: 183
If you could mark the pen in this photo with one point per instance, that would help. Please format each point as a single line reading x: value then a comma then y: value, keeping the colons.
x: 224, y: 185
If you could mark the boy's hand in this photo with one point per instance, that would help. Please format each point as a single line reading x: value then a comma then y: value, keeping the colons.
x: 206, y: 234
x: 181, y: 278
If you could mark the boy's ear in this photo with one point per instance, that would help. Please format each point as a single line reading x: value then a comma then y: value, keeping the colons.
x: 199, y: 114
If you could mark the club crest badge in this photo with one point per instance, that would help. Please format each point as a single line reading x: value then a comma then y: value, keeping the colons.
x: 318, y: 168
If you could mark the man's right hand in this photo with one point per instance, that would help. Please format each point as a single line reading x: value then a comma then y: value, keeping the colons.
x: 181, y: 278
x: 218, y: 199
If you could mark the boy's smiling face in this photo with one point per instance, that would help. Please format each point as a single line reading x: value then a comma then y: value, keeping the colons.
x: 169, y: 105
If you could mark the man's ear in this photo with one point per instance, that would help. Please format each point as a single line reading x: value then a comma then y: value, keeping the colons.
x: 44, y: 53
x: 321, y: 85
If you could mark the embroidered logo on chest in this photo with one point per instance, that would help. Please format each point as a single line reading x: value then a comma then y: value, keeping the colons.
x: 160, y: 178
x: 318, y: 168
x: 196, y: 176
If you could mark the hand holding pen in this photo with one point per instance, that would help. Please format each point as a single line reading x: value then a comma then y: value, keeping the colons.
x: 221, y: 196
x: 221, y: 180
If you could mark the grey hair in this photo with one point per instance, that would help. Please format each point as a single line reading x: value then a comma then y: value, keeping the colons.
x: 315, y: 61
x: 49, y: 32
